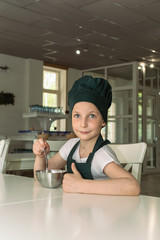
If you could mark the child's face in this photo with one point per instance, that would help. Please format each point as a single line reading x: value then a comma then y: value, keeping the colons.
x: 87, y: 121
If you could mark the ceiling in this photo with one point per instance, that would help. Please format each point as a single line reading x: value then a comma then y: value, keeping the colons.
x: 106, y: 31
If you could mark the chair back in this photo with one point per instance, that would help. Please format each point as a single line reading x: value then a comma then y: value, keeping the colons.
x: 14, y: 161
x: 132, y: 156
x: 55, y: 146
x: 4, y: 145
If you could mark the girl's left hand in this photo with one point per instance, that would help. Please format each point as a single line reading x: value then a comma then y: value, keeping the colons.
x: 71, y: 181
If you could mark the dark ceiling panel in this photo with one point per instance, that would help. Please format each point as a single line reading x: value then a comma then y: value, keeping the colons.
x: 107, y: 32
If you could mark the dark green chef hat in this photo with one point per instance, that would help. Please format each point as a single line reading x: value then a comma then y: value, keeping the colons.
x: 94, y: 90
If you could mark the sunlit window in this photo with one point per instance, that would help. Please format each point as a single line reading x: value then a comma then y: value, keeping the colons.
x: 54, y: 92
x: 51, y: 91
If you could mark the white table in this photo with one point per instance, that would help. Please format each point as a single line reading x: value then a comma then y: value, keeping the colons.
x: 28, y: 211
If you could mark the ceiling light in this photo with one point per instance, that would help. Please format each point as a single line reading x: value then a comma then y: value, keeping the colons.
x: 78, y: 51
x: 85, y: 50
x: 152, y: 65
x: 101, y: 55
x: 153, y: 51
x: 142, y: 66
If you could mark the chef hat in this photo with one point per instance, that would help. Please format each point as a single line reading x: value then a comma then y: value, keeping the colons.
x: 94, y: 90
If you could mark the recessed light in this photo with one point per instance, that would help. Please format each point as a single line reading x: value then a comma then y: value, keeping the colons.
x: 85, y: 50
x: 78, y: 51
x: 152, y: 65
x: 101, y: 55
x: 142, y: 66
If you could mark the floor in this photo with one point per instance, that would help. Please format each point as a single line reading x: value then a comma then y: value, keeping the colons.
x: 150, y: 183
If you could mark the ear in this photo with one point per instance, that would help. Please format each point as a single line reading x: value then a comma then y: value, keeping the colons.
x: 103, y: 123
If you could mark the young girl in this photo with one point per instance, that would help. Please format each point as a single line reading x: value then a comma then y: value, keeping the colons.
x: 91, y: 164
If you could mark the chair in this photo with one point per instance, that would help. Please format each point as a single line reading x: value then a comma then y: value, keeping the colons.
x: 4, y: 145
x: 132, y: 156
x: 55, y: 146
x: 22, y: 161
x: 14, y: 161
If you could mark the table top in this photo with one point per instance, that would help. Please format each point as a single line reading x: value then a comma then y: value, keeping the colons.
x: 29, y: 211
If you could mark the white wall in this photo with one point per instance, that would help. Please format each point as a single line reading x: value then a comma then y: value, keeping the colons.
x: 24, y: 80
x: 73, y: 75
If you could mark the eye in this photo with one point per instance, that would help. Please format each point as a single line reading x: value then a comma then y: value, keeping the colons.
x: 92, y: 116
x: 76, y: 115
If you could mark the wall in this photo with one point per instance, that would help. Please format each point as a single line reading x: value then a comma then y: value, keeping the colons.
x: 73, y: 75
x: 24, y: 80
x: 16, y: 81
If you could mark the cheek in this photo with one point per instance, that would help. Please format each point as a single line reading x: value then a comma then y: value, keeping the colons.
x: 99, y: 124
x: 74, y: 122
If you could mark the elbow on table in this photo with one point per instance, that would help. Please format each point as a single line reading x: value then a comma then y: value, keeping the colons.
x: 135, y: 188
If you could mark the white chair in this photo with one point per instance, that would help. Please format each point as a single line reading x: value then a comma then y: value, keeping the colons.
x: 55, y: 146
x: 4, y: 145
x: 25, y: 161
x: 132, y: 156
x: 14, y: 161
x: 20, y: 161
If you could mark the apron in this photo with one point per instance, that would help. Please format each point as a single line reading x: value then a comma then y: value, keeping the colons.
x: 85, y: 168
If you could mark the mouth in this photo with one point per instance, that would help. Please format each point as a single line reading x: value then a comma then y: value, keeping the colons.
x: 84, y: 133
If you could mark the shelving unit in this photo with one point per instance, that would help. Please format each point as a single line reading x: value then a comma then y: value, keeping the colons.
x: 45, y: 119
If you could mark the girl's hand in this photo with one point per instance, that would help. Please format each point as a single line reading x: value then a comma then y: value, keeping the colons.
x: 38, y: 147
x: 71, y: 181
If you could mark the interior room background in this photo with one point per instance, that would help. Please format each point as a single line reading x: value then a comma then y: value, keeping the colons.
x: 24, y: 80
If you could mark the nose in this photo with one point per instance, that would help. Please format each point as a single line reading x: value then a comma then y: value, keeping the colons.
x: 83, y: 122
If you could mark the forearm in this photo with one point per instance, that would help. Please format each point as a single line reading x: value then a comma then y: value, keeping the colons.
x: 116, y: 186
x: 39, y: 164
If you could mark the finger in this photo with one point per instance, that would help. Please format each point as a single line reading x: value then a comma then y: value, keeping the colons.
x: 38, y: 147
x: 42, y: 142
x: 74, y: 169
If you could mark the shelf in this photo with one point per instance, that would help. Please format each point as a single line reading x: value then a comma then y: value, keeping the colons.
x: 45, y: 119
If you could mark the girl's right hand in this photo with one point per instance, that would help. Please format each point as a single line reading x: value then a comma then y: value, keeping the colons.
x: 38, y: 147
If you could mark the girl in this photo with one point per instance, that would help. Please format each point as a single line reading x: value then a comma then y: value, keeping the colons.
x: 91, y: 164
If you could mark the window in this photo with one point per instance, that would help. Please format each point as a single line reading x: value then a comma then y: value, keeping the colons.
x: 54, y: 93
x: 51, y: 91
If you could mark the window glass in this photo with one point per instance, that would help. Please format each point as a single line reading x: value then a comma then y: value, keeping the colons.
x: 49, y: 99
x: 151, y: 105
x: 119, y: 130
x: 120, y: 76
x: 54, y: 94
x: 151, y: 157
x: 50, y: 80
x: 121, y: 103
x: 140, y: 102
